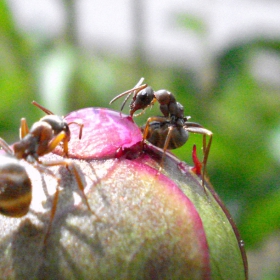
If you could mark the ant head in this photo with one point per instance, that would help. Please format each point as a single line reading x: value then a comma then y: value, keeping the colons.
x: 58, y: 124
x: 142, y: 100
x: 143, y: 97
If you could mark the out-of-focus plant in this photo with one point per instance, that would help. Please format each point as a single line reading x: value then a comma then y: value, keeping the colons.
x: 227, y: 97
x: 17, y: 82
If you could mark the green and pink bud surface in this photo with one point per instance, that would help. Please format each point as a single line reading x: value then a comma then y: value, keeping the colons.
x: 150, y: 219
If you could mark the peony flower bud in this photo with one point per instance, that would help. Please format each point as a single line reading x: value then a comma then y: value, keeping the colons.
x: 141, y: 217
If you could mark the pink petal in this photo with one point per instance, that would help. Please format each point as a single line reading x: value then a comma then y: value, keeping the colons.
x: 104, y: 133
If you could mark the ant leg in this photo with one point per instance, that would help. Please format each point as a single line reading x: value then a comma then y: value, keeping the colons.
x: 145, y: 132
x: 166, y: 143
x: 5, y: 146
x: 65, y: 147
x: 66, y: 163
x: 196, y: 128
x: 24, y: 130
x: 80, y: 185
x: 206, y: 150
x: 81, y: 125
x: 61, y: 137
x: 147, y: 126
x: 71, y: 165
x: 53, y: 211
x: 167, y: 139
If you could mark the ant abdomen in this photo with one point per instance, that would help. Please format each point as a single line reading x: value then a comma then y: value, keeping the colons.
x: 15, y: 191
x: 160, y: 132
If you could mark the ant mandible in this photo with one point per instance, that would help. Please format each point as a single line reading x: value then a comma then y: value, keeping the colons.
x: 42, y: 138
x: 171, y: 130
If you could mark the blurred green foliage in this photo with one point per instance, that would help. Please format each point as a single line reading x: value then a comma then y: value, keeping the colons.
x: 241, y: 110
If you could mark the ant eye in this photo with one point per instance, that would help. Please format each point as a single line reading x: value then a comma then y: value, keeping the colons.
x: 143, y: 95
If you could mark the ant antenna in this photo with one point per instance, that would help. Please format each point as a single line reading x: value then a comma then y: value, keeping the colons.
x: 48, y: 112
x: 135, y: 89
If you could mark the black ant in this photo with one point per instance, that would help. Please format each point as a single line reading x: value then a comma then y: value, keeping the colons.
x: 42, y: 138
x: 171, y: 130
